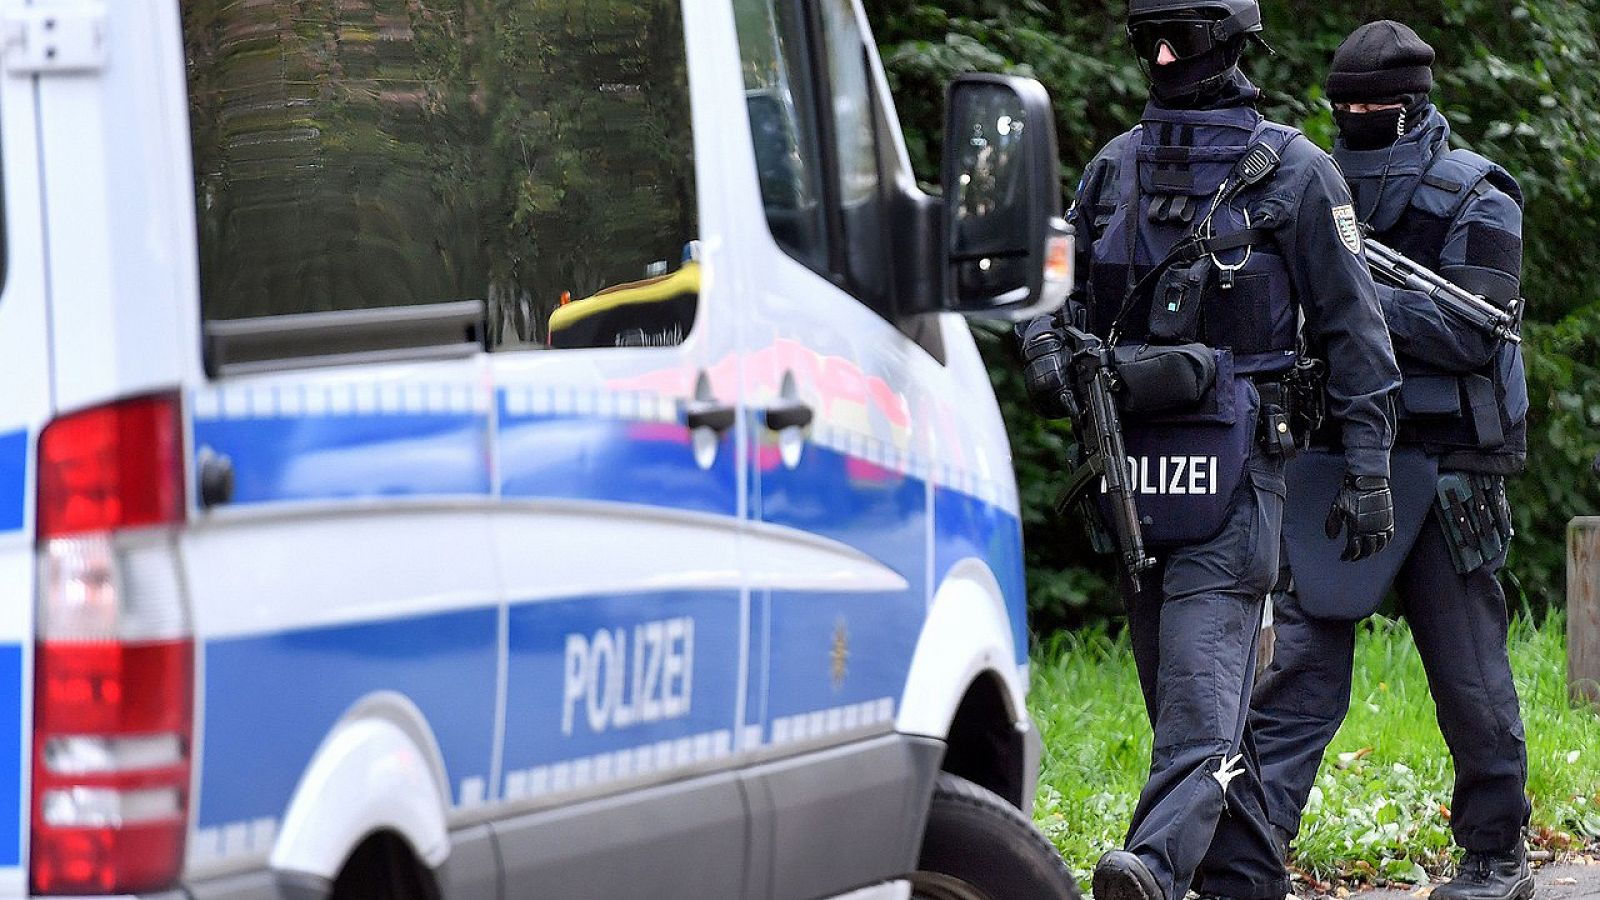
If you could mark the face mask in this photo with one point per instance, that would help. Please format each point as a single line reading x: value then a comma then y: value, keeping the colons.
x: 1370, y: 130
x: 1185, y: 81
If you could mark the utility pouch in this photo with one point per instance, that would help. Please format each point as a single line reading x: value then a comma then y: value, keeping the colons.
x: 1176, y: 303
x: 1485, y: 407
x: 1154, y: 380
x: 1276, y: 432
x: 1476, y: 517
x: 1187, y: 468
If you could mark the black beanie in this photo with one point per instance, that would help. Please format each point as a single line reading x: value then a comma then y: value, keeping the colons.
x: 1380, y: 61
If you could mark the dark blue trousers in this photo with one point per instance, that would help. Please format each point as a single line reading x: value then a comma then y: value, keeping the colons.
x: 1459, y: 623
x: 1194, y: 629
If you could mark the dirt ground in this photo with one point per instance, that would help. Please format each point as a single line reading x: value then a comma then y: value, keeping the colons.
x: 1577, y: 879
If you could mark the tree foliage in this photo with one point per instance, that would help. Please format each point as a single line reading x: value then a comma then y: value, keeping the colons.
x: 1518, y: 82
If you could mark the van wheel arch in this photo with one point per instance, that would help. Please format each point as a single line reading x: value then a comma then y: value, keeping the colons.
x: 384, y: 866
x: 984, y: 745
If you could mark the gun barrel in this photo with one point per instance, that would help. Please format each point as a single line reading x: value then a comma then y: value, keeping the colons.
x: 1101, y: 429
x: 1108, y: 426
x: 1393, y: 267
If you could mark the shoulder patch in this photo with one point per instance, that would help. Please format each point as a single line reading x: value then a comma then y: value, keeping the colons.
x: 1344, y: 219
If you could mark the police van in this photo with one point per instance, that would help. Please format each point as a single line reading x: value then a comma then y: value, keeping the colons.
x: 507, y: 448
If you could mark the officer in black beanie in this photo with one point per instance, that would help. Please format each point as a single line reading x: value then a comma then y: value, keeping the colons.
x: 1463, y: 424
x: 1382, y: 73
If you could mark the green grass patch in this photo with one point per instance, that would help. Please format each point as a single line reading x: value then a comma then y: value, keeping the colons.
x: 1380, y: 807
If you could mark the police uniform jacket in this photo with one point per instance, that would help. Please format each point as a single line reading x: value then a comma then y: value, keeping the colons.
x: 1465, y: 395
x: 1159, y: 180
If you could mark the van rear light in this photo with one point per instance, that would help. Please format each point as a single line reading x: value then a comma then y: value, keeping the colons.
x: 113, y: 466
x: 95, y: 755
x: 114, y: 660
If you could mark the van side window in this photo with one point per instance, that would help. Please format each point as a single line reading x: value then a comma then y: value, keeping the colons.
x: 779, y: 97
x: 860, y: 203
x: 809, y: 92
x: 392, y: 154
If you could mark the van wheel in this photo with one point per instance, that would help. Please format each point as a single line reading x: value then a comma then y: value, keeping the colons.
x: 979, y: 847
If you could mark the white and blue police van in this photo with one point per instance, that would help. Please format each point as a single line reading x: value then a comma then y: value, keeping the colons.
x: 507, y: 448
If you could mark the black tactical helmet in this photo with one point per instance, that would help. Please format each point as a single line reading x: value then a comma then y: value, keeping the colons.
x: 1205, y: 37
x: 1237, y: 16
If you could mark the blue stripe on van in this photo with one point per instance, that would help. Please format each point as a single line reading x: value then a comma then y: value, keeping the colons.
x: 826, y: 650
x: 837, y: 649
x: 13, y: 479
x: 590, y: 458
x: 359, y: 456
x: 11, y: 681
x: 969, y: 527
x: 270, y: 700
x: 569, y: 699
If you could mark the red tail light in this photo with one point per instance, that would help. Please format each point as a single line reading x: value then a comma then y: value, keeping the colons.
x: 114, y: 661
x: 115, y: 466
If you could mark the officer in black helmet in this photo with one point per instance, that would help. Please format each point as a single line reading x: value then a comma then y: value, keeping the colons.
x: 1463, y: 427
x: 1209, y: 233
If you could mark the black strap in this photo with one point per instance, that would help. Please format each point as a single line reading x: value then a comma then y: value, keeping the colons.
x: 1130, y: 224
x: 1188, y: 251
x: 1443, y: 184
x: 1248, y: 237
x: 1238, y: 23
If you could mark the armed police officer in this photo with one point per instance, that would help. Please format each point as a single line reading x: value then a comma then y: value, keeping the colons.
x: 1462, y: 429
x: 1205, y: 236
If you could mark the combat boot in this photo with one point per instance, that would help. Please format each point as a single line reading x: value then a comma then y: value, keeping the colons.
x: 1490, y: 876
x: 1120, y: 875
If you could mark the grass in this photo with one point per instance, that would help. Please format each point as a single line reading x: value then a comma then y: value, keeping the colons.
x: 1380, y: 809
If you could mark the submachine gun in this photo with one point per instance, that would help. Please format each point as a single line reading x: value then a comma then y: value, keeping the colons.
x: 1081, y: 377
x: 1395, y: 269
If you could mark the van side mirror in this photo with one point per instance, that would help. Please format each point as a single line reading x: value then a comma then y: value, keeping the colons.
x: 1007, y: 251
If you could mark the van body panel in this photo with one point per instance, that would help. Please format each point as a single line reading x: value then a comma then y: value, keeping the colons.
x: 119, y: 223
x: 967, y: 635
x: 25, y: 407
x: 617, y: 848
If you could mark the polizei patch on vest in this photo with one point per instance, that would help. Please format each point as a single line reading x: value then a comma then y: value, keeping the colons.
x: 1344, y: 218
x: 1172, y: 476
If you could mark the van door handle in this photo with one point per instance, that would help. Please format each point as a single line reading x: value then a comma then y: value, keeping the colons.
x: 788, y: 415
x: 706, y: 411
x: 710, y: 414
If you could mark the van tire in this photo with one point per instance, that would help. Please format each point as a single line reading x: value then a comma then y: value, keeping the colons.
x: 979, y: 847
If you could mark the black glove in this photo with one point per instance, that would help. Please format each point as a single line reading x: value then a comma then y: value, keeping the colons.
x: 1046, y: 372
x: 1366, y: 508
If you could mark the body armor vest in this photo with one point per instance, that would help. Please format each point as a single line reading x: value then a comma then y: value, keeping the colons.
x: 1163, y: 188
x: 1478, y: 421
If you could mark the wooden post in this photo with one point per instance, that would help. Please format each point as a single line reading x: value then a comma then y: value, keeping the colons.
x: 1583, y: 609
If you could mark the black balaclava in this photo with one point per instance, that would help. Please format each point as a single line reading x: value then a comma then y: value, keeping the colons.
x: 1195, y: 83
x: 1376, y: 130
x: 1380, y: 63
x: 1198, y: 82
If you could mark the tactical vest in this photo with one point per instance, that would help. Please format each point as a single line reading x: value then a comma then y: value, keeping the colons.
x: 1161, y: 186
x: 1478, y: 421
